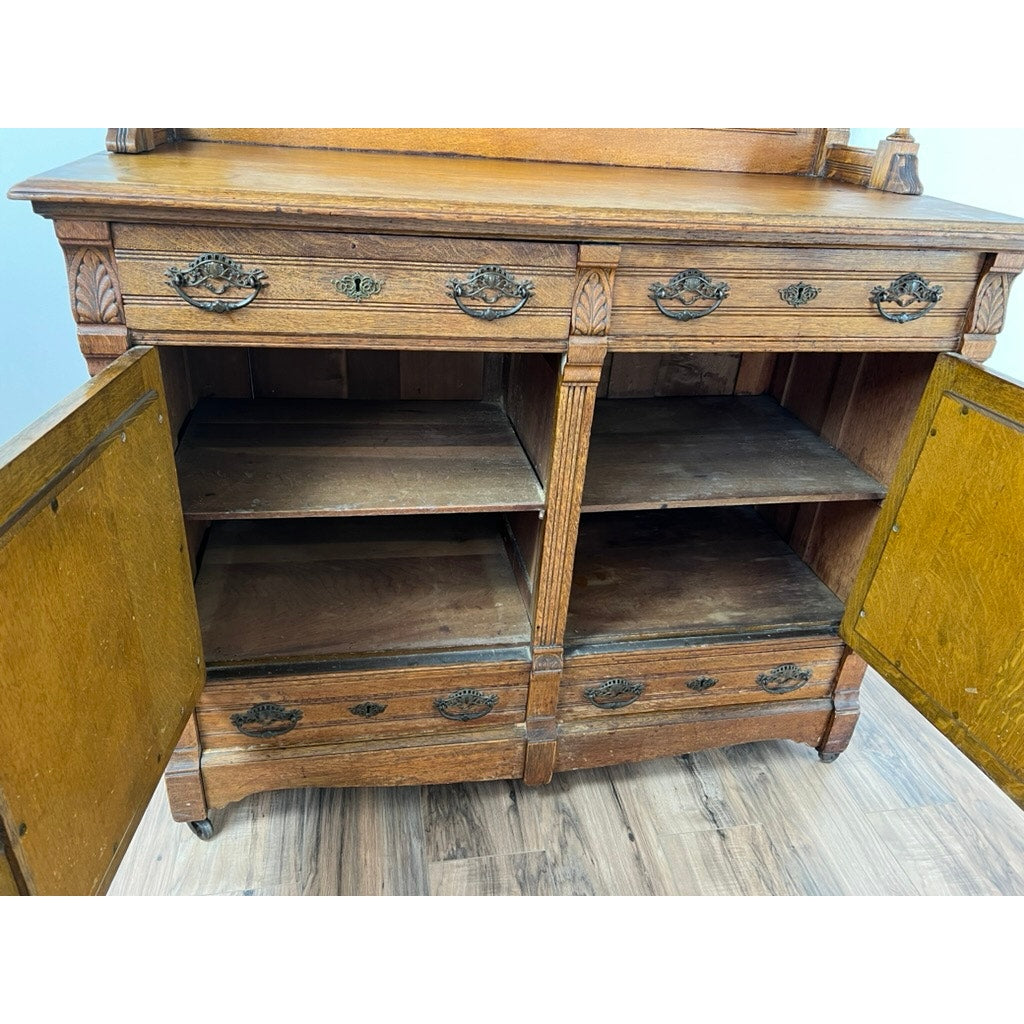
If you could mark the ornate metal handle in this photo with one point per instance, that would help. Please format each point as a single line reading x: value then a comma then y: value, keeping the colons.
x: 904, y: 291
x: 369, y: 709
x: 465, y: 705
x: 701, y: 683
x: 686, y: 288
x: 216, y: 273
x: 615, y: 693
x: 784, y: 678
x: 265, y: 721
x: 490, y: 285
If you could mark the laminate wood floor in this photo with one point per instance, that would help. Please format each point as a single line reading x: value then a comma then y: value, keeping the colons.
x: 902, y: 812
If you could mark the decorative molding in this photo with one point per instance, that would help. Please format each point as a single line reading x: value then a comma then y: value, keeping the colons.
x: 591, y: 305
x: 989, y: 309
x: 94, y: 292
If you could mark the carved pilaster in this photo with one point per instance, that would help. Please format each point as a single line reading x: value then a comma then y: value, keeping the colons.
x: 574, y: 412
x: 95, y: 292
x: 988, y: 310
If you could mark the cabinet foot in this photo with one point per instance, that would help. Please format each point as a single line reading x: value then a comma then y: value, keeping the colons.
x: 846, y: 708
x: 203, y: 829
x: 828, y: 756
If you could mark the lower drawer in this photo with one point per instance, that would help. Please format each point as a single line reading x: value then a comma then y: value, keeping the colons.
x: 637, y: 682
x: 353, y: 706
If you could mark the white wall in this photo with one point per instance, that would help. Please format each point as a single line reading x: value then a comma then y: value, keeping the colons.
x: 39, y: 358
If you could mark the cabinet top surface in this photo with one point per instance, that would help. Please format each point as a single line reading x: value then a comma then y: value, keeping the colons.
x: 216, y: 182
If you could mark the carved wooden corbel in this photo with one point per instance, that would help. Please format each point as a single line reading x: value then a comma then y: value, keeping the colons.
x: 95, y: 291
x: 988, y: 309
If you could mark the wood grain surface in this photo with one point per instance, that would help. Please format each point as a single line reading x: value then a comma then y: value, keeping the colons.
x: 323, y: 588
x: 260, y: 459
x: 434, y: 195
x: 938, y: 606
x: 99, y: 648
x: 696, y: 572
x: 671, y: 453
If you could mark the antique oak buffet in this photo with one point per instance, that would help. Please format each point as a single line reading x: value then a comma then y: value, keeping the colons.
x: 424, y: 457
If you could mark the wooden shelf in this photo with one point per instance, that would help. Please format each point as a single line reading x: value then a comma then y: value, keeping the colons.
x: 306, y: 590
x: 692, y: 573
x: 245, y: 459
x: 677, y: 452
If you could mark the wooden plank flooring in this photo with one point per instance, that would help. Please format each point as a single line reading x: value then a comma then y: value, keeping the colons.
x: 902, y: 812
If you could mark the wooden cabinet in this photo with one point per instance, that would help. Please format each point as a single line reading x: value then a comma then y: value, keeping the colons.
x: 407, y: 469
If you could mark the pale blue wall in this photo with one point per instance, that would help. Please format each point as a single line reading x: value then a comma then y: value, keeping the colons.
x: 39, y: 358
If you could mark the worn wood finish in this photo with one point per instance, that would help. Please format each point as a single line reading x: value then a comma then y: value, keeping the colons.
x: 672, y: 453
x: 590, y: 745
x: 326, y: 700
x: 322, y: 589
x: 255, y: 460
x: 754, y: 309
x: 720, y: 674
x: 233, y: 774
x: 300, y: 296
x: 663, y: 375
x: 99, y: 649
x: 279, y: 187
x: 846, y: 706
x: 938, y: 606
x: 695, y: 572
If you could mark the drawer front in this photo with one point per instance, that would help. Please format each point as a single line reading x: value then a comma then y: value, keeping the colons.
x: 342, y: 284
x: 755, y: 293
x: 595, y: 686
x: 355, y: 706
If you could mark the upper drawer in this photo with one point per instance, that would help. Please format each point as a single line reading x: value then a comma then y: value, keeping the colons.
x: 342, y: 284
x: 760, y: 298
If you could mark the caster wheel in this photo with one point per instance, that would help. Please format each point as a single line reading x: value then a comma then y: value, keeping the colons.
x: 203, y: 829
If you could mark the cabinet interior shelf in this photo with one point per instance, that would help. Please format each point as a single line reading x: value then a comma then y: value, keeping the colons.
x: 266, y: 458
x: 306, y: 590
x: 690, y: 573
x: 654, y: 453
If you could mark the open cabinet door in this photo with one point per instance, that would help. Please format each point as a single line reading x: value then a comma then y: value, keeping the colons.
x: 100, y: 656
x: 938, y: 606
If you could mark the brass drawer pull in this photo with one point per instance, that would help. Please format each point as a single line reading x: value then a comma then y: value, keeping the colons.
x: 615, y: 693
x: 264, y: 721
x: 465, y: 705
x: 369, y: 709
x: 799, y: 294
x: 216, y: 273
x: 358, y: 286
x: 701, y: 683
x: 784, y: 678
x: 490, y: 285
x: 904, y: 291
x: 686, y: 288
